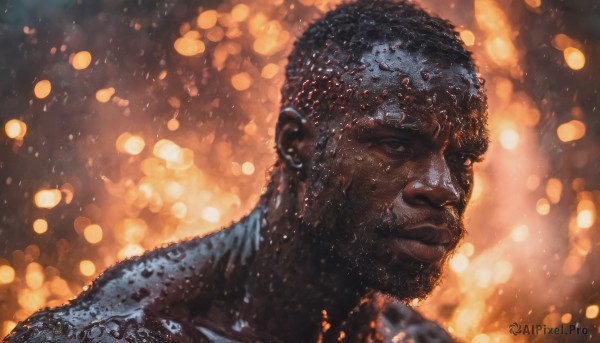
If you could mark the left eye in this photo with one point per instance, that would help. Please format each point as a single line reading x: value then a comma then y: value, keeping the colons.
x: 464, y: 160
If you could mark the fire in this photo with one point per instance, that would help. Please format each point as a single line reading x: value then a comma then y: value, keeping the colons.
x: 47, y: 198
x: 15, y: 129
x: 81, y: 60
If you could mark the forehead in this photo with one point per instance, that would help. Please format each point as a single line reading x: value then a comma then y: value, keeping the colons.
x: 397, y: 88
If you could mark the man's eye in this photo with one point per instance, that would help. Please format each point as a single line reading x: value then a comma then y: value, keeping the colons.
x: 395, y: 146
x: 465, y: 161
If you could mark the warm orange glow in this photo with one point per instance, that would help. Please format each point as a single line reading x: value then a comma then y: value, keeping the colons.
x: 240, y: 12
x: 188, y: 46
x: 571, y: 131
x: 42, y: 89
x: 248, y: 168
x: 130, y: 143
x: 81, y: 60
x: 520, y: 233
x: 467, y: 249
x: 134, y: 230
x: 574, y: 57
x: 207, y: 19
x: 562, y: 41
x: 554, y: 190
x: 586, y: 214
x: 40, y: 226
x: 481, y: 338
x: 93, y: 233
x: 7, y: 274
x: 566, y: 318
x: 8, y: 326
x: 211, y: 214
x: 534, y: 3
x: 173, y: 124
x: 591, y: 312
x: 269, y: 71
x: 34, y: 276
x: 509, y: 139
x: 15, y: 129
x: 103, y: 95
x: 47, y: 198
x: 542, y: 206
x: 167, y: 150
x: 87, y: 267
x: 179, y: 210
x: 459, y: 263
x: 241, y: 81
x: 467, y: 37
x: 130, y: 250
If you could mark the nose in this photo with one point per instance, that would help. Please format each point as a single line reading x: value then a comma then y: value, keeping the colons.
x: 433, y: 187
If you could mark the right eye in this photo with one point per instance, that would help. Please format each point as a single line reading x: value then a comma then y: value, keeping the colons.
x: 395, y: 147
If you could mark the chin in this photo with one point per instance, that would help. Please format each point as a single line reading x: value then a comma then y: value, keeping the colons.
x: 414, y: 282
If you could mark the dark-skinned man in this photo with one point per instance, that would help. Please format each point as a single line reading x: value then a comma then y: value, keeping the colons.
x: 382, y: 119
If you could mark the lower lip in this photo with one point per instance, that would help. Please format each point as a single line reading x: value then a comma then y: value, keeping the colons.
x: 420, y: 251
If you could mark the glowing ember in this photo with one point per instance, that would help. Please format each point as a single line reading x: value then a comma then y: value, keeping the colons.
x: 189, y: 46
x: 542, y: 206
x: 87, y: 267
x: 574, y: 57
x: 7, y: 274
x: 520, y: 233
x: 15, y: 129
x: 42, y: 89
x: 248, y: 168
x: 34, y: 276
x: 571, y: 131
x: 240, y: 12
x: 534, y: 3
x: 591, y: 312
x: 467, y: 37
x: 93, y: 233
x: 211, y: 214
x: 129, y: 143
x: 459, y: 263
x: 40, y: 226
x: 509, y: 139
x: 81, y: 60
x: 173, y: 124
x: 269, y: 71
x: 47, y: 198
x: 207, y: 19
x: 103, y: 95
x: 241, y: 81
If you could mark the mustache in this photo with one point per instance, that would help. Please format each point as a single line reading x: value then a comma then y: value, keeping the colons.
x: 392, y: 221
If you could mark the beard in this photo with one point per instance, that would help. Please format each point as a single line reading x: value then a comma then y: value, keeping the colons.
x: 337, y: 225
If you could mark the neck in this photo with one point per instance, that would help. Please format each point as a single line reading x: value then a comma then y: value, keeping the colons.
x: 294, y: 288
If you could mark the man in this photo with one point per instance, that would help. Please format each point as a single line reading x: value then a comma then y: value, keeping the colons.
x: 382, y: 119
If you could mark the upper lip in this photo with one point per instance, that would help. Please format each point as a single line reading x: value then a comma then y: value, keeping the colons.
x: 427, y: 233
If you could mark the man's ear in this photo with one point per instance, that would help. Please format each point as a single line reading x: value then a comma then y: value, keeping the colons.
x: 291, y: 139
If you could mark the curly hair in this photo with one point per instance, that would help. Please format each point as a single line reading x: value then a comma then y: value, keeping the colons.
x: 335, y: 44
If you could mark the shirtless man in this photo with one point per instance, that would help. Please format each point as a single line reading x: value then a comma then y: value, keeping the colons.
x: 382, y: 119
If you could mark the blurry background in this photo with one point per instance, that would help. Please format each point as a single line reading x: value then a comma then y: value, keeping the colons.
x: 128, y: 124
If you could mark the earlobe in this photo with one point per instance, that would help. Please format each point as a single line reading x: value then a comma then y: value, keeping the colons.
x: 290, y: 138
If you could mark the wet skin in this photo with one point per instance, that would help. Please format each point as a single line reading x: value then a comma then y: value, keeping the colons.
x: 370, y: 199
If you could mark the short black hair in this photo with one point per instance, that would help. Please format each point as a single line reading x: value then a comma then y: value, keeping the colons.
x: 312, y: 76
